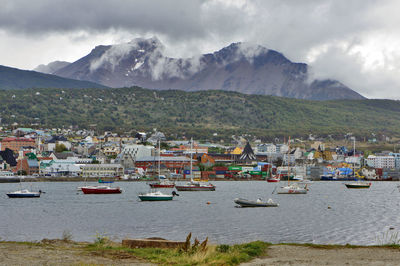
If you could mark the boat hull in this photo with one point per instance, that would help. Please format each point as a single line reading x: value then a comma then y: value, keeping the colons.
x: 272, y: 180
x: 27, y: 195
x: 101, y: 191
x: 252, y: 204
x: 357, y: 186
x: 161, y: 186
x: 153, y: 198
x: 195, y: 188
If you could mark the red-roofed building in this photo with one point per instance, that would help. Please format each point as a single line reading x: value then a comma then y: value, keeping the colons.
x: 15, y: 144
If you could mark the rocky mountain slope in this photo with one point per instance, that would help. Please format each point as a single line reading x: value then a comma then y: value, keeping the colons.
x: 241, y: 67
x: 51, y: 67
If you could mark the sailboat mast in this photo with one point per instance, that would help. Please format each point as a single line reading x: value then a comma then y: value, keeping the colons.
x: 288, y: 162
x: 191, y: 155
x: 159, y: 158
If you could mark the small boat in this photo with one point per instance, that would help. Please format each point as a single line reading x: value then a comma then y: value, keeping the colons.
x: 162, y: 183
x: 293, y: 189
x: 258, y: 203
x: 156, y: 196
x: 358, y: 185
x: 273, y: 179
x: 24, y: 193
x: 196, y: 186
x: 105, y: 182
x: 100, y: 190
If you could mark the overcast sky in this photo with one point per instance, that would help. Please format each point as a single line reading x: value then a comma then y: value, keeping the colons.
x: 354, y: 41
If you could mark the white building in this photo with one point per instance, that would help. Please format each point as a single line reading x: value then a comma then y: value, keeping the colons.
x: 102, y: 170
x: 282, y: 148
x: 265, y: 148
x: 381, y: 161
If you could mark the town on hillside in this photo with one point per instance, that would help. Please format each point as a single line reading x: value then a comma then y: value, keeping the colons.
x: 59, y: 154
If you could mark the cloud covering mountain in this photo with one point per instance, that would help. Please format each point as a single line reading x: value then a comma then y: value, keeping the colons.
x: 240, y: 67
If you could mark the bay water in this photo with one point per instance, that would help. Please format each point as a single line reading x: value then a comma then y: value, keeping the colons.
x: 329, y: 214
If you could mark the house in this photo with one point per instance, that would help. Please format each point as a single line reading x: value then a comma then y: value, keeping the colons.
x: 173, y: 163
x: 16, y: 143
x: 102, y: 170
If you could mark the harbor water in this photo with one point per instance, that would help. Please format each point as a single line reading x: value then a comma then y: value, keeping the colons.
x: 329, y: 214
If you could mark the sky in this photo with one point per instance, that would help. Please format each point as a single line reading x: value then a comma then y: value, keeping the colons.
x: 353, y: 41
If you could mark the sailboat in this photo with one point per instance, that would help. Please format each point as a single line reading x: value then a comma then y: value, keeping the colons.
x: 292, y: 188
x: 357, y: 183
x: 195, y: 185
x: 24, y: 193
x: 162, y: 182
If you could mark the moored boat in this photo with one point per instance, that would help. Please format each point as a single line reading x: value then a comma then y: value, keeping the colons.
x: 162, y: 183
x: 257, y: 203
x: 358, y: 185
x: 273, y: 179
x: 24, y: 193
x: 100, y: 190
x: 293, y: 189
x: 156, y: 196
x: 105, y: 181
x: 196, y: 186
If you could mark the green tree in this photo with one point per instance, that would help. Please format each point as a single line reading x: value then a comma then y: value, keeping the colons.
x: 60, y: 148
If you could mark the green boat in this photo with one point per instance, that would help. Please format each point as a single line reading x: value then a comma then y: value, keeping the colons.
x: 358, y: 185
x: 156, y: 196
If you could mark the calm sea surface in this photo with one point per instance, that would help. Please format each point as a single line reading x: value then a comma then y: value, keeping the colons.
x: 361, y: 217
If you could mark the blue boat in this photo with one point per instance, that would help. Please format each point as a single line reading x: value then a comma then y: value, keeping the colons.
x: 105, y: 182
x: 24, y: 194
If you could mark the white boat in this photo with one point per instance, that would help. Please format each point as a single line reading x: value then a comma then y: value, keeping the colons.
x: 293, y: 189
x: 156, y: 196
x: 257, y: 203
x: 24, y: 193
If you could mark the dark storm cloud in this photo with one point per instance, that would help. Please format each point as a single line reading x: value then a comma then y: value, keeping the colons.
x: 328, y: 33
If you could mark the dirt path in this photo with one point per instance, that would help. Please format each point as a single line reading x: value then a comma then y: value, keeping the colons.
x: 301, y: 255
x: 59, y: 253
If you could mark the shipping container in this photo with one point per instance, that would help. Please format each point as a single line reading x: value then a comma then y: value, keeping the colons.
x: 235, y: 168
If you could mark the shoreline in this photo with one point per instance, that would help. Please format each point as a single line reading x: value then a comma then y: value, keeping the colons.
x: 105, y: 252
x: 95, y: 179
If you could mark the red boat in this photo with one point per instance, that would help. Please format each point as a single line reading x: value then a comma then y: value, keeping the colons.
x: 276, y: 178
x: 163, y: 183
x: 101, y: 190
x: 273, y: 179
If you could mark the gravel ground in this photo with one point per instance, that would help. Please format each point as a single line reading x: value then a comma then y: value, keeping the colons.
x: 55, y: 252
x: 302, y: 255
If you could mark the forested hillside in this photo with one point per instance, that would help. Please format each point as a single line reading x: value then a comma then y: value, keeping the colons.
x: 197, y: 113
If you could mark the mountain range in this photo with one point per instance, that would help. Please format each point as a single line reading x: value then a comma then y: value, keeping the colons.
x: 241, y: 67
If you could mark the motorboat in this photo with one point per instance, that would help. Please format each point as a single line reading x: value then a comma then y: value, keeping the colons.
x: 156, y: 196
x: 293, y: 189
x: 24, y: 193
x: 257, y: 203
x: 100, y: 190
x: 196, y: 186
x: 358, y: 184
